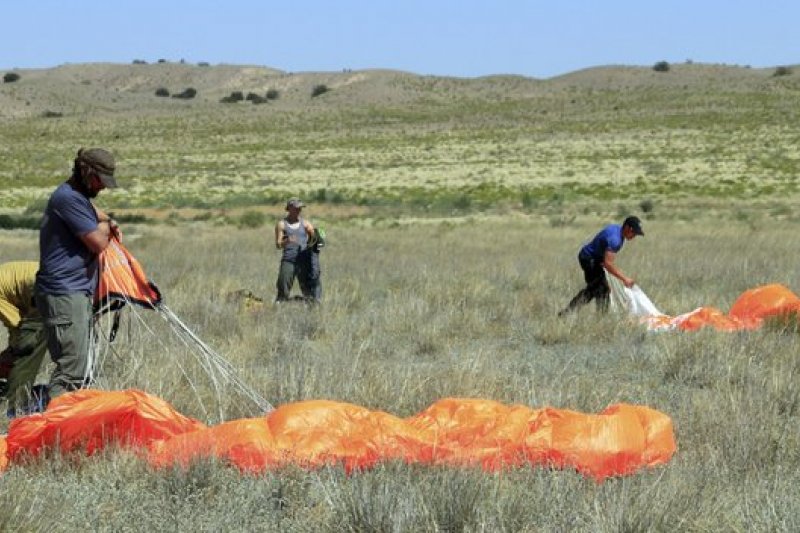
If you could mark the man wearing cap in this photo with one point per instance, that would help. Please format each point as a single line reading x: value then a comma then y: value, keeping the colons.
x: 597, y: 257
x: 73, y: 233
x: 292, y: 235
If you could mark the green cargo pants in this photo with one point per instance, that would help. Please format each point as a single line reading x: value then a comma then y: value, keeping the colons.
x: 27, y: 345
x: 67, y: 322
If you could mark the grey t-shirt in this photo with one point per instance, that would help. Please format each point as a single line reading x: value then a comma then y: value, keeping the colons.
x: 66, y: 265
x: 291, y: 251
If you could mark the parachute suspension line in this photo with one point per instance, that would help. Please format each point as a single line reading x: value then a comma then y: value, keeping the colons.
x: 219, y: 370
x: 140, y: 321
x: 214, y: 360
x: 201, y: 359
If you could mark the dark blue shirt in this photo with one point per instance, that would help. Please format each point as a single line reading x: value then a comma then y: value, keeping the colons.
x: 609, y: 238
x: 66, y: 265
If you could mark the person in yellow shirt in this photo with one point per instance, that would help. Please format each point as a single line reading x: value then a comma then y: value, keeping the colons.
x: 27, y: 342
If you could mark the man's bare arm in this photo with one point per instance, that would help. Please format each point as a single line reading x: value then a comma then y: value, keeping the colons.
x: 611, y: 268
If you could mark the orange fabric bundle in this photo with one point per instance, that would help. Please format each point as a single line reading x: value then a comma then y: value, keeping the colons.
x: 747, y: 313
x: 620, y: 440
x: 713, y: 317
x: 90, y: 419
x: 453, y: 431
x: 122, y: 278
x: 765, y: 301
x: 310, y: 433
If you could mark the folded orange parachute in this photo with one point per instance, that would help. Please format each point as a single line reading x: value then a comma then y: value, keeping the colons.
x: 747, y: 313
x: 122, y: 280
x: 618, y: 441
x: 87, y: 420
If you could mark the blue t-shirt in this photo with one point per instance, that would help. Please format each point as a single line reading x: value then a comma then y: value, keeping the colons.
x: 66, y: 265
x: 609, y: 238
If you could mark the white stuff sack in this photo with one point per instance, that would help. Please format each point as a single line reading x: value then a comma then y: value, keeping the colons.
x: 632, y: 300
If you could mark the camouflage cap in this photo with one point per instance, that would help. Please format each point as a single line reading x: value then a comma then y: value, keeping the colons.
x: 294, y: 202
x: 102, y: 162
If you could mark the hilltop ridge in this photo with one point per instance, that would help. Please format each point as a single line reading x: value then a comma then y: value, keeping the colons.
x: 130, y: 88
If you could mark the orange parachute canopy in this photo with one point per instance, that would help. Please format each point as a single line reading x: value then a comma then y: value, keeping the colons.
x: 747, y: 312
x: 452, y: 431
x: 87, y: 420
x: 122, y: 280
x: 764, y: 302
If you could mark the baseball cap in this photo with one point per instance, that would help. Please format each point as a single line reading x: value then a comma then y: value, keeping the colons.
x: 635, y: 224
x: 102, y: 162
x: 294, y: 202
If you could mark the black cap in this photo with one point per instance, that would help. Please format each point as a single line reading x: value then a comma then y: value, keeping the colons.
x: 635, y: 224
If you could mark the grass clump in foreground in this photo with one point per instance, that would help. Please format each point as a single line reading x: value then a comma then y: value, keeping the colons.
x: 465, y: 311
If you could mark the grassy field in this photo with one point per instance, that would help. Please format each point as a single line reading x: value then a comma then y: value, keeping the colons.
x: 454, y: 209
x: 462, y: 307
x: 431, y: 145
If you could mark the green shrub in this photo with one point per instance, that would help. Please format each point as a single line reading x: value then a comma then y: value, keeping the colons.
x: 661, y: 66
x: 258, y: 99
x: 319, y: 89
x: 203, y: 64
x: 273, y: 94
x: 528, y: 200
x: 139, y: 62
x: 11, y: 77
x: 52, y: 114
x: 162, y: 91
x: 646, y: 205
x: 19, y: 222
x: 782, y: 71
x: 235, y: 96
x: 187, y: 94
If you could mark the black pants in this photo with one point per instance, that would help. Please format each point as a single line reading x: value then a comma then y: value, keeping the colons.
x: 306, y: 269
x: 596, y: 286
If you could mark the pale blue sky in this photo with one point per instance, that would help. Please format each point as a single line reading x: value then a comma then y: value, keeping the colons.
x: 536, y: 38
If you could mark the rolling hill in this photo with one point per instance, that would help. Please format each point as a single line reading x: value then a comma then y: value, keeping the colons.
x: 102, y: 87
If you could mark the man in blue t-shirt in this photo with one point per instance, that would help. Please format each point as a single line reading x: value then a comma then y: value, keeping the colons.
x: 72, y: 235
x: 597, y: 257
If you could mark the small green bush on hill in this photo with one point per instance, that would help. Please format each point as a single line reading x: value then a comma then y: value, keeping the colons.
x: 782, y: 71
x: 661, y: 66
x: 319, y: 89
x: 187, y: 94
